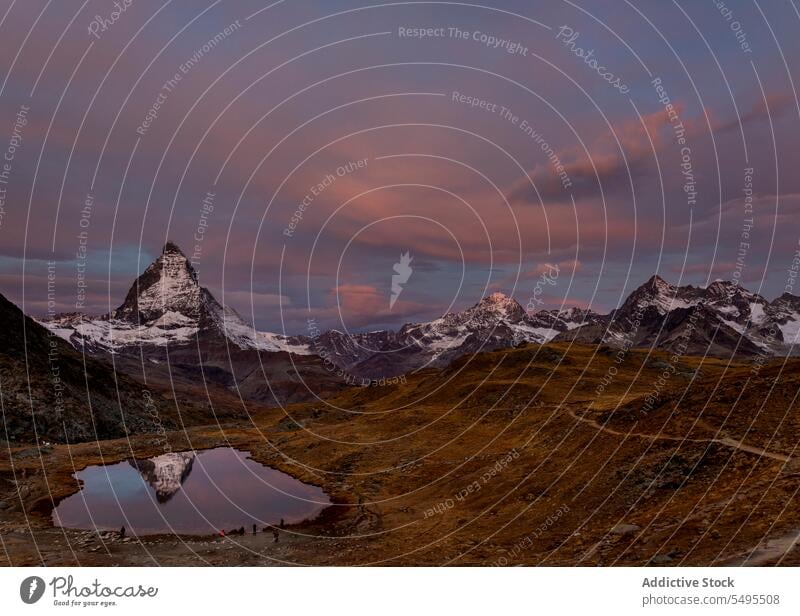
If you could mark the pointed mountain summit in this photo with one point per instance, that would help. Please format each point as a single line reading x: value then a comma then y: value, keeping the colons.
x: 657, y: 284
x: 173, y: 331
x: 490, y: 310
x: 167, y: 306
x: 657, y: 296
x: 501, y: 306
x: 168, y: 285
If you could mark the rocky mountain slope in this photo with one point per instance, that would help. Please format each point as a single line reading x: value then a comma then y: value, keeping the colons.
x: 171, y: 330
x: 166, y: 306
x: 497, y: 321
x: 50, y: 391
x: 721, y: 320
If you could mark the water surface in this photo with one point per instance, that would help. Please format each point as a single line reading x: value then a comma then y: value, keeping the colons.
x: 187, y: 493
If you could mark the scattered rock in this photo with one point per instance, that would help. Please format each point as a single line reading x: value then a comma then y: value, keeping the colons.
x: 625, y: 529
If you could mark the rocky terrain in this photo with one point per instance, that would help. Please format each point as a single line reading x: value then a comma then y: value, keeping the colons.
x: 532, y: 455
x: 171, y: 331
x: 720, y: 320
x: 51, y: 392
x: 665, y: 432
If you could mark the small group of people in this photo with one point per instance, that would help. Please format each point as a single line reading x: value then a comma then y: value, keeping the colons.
x: 240, y: 531
x: 235, y: 531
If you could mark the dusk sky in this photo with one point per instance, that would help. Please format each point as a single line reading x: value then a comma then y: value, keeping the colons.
x: 490, y: 149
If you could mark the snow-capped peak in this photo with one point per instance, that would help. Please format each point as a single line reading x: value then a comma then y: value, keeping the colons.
x: 169, y: 284
x: 167, y: 306
x: 659, y: 294
x: 658, y: 284
x: 496, y: 306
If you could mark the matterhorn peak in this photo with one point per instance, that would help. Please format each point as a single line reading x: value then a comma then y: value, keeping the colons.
x: 169, y: 284
x: 172, y: 248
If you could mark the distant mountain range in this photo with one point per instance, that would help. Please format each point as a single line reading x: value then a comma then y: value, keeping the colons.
x: 166, y: 308
x: 720, y: 320
x: 77, y: 377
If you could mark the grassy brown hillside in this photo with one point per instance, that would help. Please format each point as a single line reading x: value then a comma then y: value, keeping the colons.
x: 50, y: 391
x: 554, y: 454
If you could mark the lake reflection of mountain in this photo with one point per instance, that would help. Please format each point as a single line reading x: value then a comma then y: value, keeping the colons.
x: 165, y: 473
x: 187, y: 493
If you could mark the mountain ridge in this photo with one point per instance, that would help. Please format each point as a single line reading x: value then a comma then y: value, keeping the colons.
x: 166, y: 306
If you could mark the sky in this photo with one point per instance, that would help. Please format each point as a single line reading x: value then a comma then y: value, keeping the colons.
x: 559, y: 152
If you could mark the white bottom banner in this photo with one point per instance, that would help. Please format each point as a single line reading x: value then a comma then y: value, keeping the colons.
x: 388, y: 591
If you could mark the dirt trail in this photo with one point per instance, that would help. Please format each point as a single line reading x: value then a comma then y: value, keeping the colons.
x: 772, y: 551
x: 727, y: 441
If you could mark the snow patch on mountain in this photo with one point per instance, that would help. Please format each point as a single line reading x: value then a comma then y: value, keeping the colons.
x: 790, y: 331
x: 112, y: 335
